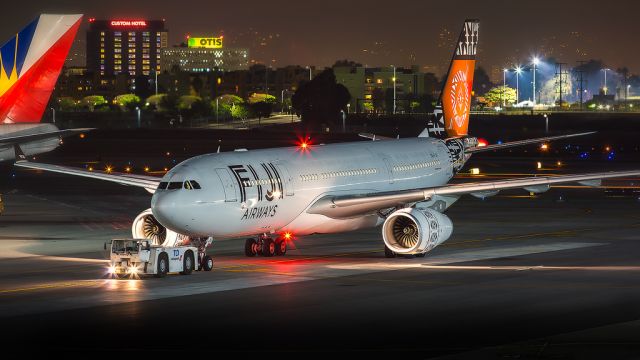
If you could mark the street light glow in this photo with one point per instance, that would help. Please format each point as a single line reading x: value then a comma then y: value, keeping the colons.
x: 536, y: 61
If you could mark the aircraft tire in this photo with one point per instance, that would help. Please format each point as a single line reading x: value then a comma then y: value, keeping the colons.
x: 207, y: 263
x: 268, y: 247
x: 281, y: 247
x: 251, y: 247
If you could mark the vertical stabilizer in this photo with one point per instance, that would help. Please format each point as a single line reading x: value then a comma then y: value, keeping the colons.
x: 30, y: 64
x: 455, y: 99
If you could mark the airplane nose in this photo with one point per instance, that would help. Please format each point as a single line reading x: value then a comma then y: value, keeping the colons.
x: 166, y: 210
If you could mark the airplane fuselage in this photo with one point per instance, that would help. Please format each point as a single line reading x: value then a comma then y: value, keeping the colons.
x: 245, y: 193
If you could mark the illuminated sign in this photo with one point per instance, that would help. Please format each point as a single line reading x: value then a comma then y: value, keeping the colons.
x: 128, y: 23
x: 208, y: 43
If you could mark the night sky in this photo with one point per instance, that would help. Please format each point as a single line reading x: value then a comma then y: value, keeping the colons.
x: 399, y: 32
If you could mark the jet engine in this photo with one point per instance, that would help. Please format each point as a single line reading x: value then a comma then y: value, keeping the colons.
x: 145, y: 226
x: 415, y: 230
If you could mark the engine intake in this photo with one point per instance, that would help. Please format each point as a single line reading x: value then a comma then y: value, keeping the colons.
x: 416, y: 230
x: 146, y: 226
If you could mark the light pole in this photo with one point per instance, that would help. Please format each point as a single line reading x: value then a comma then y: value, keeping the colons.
x: 266, y: 79
x: 546, y: 123
x: 54, y: 115
x: 156, y: 83
x: 394, y: 89
x: 282, y: 100
x: 605, y: 80
x: 310, y: 75
x: 138, y: 111
x: 217, y: 111
x: 536, y: 61
x: 504, y: 87
x: 518, y: 72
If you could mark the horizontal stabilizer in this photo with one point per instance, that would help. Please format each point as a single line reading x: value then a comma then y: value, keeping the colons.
x: 523, y: 142
x: 8, y: 141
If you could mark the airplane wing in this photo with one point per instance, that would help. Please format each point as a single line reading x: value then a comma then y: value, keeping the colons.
x: 10, y: 141
x: 345, y: 206
x: 522, y: 142
x: 150, y: 183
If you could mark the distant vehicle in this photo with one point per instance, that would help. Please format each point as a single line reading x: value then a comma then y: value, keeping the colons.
x: 274, y: 195
x: 30, y: 64
x: 524, y: 104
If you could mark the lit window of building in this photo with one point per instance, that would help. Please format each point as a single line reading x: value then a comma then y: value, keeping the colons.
x: 144, y: 40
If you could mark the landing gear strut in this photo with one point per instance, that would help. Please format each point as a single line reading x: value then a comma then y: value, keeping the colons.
x: 265, y: 246
x: 205, y: 261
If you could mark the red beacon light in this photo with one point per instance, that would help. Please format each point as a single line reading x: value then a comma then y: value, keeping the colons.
x: 304, y: 144
x: 482, y: 142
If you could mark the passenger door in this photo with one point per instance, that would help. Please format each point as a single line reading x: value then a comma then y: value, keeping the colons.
x: 230, y: 190
x: 287, y: 180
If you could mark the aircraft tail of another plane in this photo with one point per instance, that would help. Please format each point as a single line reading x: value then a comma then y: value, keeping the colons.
x: 454, y: 105
x: 30, y: 64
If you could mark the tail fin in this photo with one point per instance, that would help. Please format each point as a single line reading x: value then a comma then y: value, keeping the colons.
x: 455, y: 98
x: 30, y: 64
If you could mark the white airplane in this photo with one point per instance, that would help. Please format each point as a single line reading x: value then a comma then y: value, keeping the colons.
x: 30, y: 63
x: 272, y: 194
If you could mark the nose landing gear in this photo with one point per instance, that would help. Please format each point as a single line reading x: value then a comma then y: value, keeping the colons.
x: 265, y: 246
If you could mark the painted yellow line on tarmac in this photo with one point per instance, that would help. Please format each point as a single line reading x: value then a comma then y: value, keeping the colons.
x: 81, y: 283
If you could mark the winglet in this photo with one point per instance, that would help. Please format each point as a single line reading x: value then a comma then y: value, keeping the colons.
x: 20, y: 156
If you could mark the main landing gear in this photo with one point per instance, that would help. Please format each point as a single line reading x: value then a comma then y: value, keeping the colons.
x: 265, y: 246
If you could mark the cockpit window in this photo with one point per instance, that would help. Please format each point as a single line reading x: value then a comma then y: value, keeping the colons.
x: 191, y: 185
x: 163, y: 185
x: 174, y: 185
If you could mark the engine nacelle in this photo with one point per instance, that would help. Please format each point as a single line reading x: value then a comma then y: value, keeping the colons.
x: 415, y: 230
x: 145, y: 226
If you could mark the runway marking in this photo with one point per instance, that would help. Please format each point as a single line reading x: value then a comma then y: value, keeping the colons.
x: 62, y: 285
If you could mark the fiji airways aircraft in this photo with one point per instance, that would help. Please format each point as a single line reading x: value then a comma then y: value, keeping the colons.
x: 30, y: 64
x: 268, y: 195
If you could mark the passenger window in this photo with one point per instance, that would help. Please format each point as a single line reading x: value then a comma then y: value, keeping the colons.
x: 187, y: 185
x: 163, y: 185
x: 195, y: 185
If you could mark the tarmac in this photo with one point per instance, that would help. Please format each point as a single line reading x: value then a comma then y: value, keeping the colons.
x: 548, y: 276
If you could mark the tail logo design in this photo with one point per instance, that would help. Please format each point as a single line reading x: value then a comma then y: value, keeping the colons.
x: 455, y: 98
x: 460, y: 98
x: 30, y: 63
